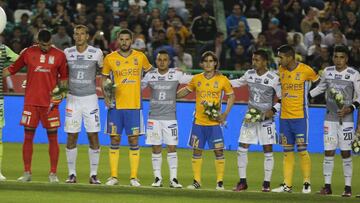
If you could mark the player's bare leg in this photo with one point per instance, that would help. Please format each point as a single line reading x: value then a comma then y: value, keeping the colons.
x: 94, y: 157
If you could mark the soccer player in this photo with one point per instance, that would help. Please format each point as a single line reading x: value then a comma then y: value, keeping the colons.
x: 126, y: 65
x: 162, y: 125
x: 6, y: 54
x: 82, y: 102
x: 263, y: 87
x: 294, y: 79
x: 46, y: 68
x: 209, y: 87
x: 339, y: 134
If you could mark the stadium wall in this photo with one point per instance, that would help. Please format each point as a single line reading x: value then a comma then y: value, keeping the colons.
x: 13, y: 132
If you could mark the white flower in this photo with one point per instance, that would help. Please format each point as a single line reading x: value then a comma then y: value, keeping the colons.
x: 56, y: 89
x: 108, y: 81
x: 252, y: 110
x: 215, y: 115
x: 247, y: 116
x: 356, y: 149
x: 355, y: 144
x: 339, y: 97
x: 258, y: 117
x: 214, y: 111
x: 333, y: 91
x: 210, y: 104
x: 207, y: 112
x: 253, y: 120
x: 358, y: 142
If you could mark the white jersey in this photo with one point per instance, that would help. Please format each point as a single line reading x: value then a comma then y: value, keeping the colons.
x: 82, y: 69
x: 262, y: 88
x: 163, y: 92
x: 347, y: 82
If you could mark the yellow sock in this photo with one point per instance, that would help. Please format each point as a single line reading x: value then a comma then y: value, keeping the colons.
x: 305, y: 162
x: 114, y: 162
x: 220, y: 167
x: 289, y: 162
x: 134, y: 158
x: 196, y: 166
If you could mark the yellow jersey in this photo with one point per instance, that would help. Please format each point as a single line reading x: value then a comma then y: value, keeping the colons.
x: 294, y: 90
x: 208, y: 90
x: 127, y: 72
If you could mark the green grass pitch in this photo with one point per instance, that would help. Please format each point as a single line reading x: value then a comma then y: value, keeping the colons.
x: 41, y: 191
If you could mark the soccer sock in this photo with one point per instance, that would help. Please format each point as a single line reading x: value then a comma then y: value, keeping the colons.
x: 348, y: 169
x: 134, y: 157
x: 328, y: 168
x: 173, y: 164
x: 288, y: 165
x: 1, y: 148
x: 114, y: 160
x: 268, y: 165
x: 71, y: 155
x: 305, y: 163
x: 53, y: 151
x: 196, y: 163
x: 242, y: 160
x: 156, y: 160
x: 28, y: 149
x: 94, y: 156
x: 220, y: 167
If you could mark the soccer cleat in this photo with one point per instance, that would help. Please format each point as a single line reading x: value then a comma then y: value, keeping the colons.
x: 220, y: 185
x: 94, y: 180
x: 174, y: 183
x: 112, y: 181
x: 157, y: 182
x: 2, y: 178
x: 283, y: 188
x: 26, y: 177
x: 134, y: 182
x: 325, y: 191
x: 347, y: 192
x: 71, y: 179
x: 306, y: 188
x: 195, y: 185
x: 240, y: 187
x: 53, y: 178
x: 357, y: 196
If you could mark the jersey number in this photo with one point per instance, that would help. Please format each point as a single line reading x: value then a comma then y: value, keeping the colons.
x: 256, y: 97
x: 174, y: 132
x: 347, y: 136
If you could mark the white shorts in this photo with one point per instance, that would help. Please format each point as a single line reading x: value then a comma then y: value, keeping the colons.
x: 338, y: 136
x: 259, y: 132
x: 160, y: 132
x: 86, y: 107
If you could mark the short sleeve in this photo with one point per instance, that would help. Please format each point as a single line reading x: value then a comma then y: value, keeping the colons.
x: 227, y: 87
x: 191, y: 86
x: 146, y: 64
x: 311, y: 74
x: 106, y: 66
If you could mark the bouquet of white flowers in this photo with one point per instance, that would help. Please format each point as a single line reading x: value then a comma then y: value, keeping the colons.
x: 355, y: 145
x: 212, y: 110
x: 253, y: 115
x: 339, y: 100
x: 109, y: 91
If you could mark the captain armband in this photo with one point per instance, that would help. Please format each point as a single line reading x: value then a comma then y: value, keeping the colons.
x: 354, y: 105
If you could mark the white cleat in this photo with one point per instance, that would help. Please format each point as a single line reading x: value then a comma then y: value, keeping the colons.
x: 2, y: 178
x: 282, y: 188
x: 53, y: 178
x: 112, y: 181
x: 134, y: 182
x: 157, y: 182
x: 26, y: 177
x: 220, y: 185
x: 306, y: 188
x: 174, y: 183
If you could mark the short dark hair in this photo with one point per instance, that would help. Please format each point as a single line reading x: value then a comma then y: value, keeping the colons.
x: 315, y: 25
x: 212, y: 54
x: 262, y: 53
x: 286, y: 49
x: 341, y: 49
x: 163, y: 51
x: 78, y: 27
x: 44, y: 35
x: 125, y: 31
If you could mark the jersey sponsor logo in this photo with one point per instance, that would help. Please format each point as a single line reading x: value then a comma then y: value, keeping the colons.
x: 267, y: 124
x: 41, y: 69
x: 127, y: 72
x: 293, y: 86
x: 258, y: 80
x: 209, y: 94
x: 348, y: 129
x: 161, y: 78
x: 51, y: 59
x: 126, y: 81
x: 338, y: 77
x: 80, y: 57
x: 270, y: 76
x: 351, y: 71
x: 150, y: 125
x: 94, y: 111
x: 287, y: 95
x: 172, y: 126
x: 92, y: 50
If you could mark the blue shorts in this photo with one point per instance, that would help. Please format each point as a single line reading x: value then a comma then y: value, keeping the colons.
x: 130, y: 119
x: 212, y: 135
x: 293, y: 131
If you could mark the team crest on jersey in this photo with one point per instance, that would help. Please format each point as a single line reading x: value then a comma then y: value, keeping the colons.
x: 216, y: 84
x: 326, y: 130
x: 136, y: 62
x: 199, y: 84
x: 297, y: 77
x: 117, y: 63
x: 51, y: 59
x: 266, y: 81
x: 42, y: 58
x: 89, y: 56
x: 170, y: 76
x: 207, y: 84
x: 347, y: 76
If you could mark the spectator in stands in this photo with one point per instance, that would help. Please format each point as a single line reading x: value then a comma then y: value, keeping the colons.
x: 354, y: 55
x: 139, y: 45
x: 156, y: 25
x: 136, y: 17
x: 61, y: 39
x: 201, y: 25
x: 24, y: 40
x: 161, y: 43
x: 351, y: 26
x: 182, y: 59
x: 37, y: 24
x: 101, y: 11
x: 240, y: 55
x: 261, y: 43
x: 119, y: 9
x: 219, y: 48
x: 99, y: 41
x: 177, y: 28
x: 322, y: 60
x: 299, y: 46
x: 162, y: 5
x: 338, y: 40
x: 170, y: 16
x: 232, y: 21
x: 309, y: 36
x: 240, y: 36
x: 100, y: 26
x: 24, y: 24
x: 180, y: 8
x: 60, y: 15
x: 294, y: 15
x: 41, y: 11
x: 253, y: 9
x: 141, y: 3
x: 154, y: 13
x: 138, y: 32
x: 314, y: 49
x: 274, y: 35
x: 202, y: 4
x: 329, y: 38
x: 309, y: 19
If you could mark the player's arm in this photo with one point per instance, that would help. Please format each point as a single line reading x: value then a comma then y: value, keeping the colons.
x: 230, y: 102
x: 16, y: 66
x: 185, y: 78
x: 145, y: 81
x: 182, y: 92
x: 321, y: 87
x: 356, y: 102
x: 11, y: 55
x: 239, y: 82
x: 277, y: 105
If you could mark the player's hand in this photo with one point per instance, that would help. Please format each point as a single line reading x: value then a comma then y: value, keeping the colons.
x: 269, y: 114
x: 222, y: 118
x: 345, y: 110
x: 107, y: 101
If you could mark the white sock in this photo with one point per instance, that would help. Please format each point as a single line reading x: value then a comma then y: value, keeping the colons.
x: 328, y: 168
x: 71, y: 155
x: 242, y: 161
x: 156, y: 163
x: 268, y: 165
x: 94, y: 156
x: 348, y: 169
x: 173, y: 164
